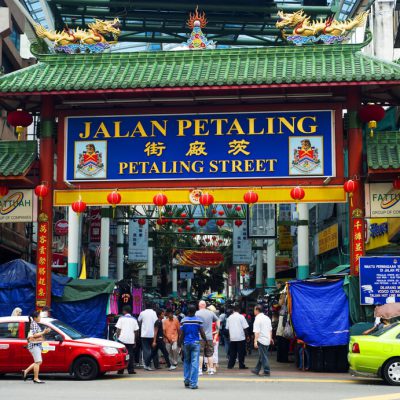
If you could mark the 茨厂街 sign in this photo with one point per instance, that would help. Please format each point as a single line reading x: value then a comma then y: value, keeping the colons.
x: 200, y: 146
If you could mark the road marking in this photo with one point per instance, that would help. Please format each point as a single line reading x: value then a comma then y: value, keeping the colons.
x: 392, y: 396
x: 265, y: 380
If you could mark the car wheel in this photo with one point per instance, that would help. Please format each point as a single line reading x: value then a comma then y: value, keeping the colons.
x: 85, y: 368
x: 391, y: 372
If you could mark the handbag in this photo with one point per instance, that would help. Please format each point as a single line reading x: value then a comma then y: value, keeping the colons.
x: 288, y: 331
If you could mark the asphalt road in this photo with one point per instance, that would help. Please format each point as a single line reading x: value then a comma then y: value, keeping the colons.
x: 283, y: 384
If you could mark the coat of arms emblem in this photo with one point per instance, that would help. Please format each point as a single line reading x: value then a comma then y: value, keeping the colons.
x: 90, y: 161
x: 306, y: 157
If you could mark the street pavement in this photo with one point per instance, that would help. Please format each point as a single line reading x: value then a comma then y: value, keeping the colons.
x: 286, y: 382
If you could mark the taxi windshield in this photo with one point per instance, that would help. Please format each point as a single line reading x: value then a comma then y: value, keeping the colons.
x: 68, y: 330
x: 383, y: 330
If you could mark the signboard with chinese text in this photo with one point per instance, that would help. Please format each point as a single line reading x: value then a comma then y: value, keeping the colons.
x: 379, y: 280
x: 17, y: 206
x: 242, y: 252
x: 327, y: 240
x: 357, y: 242
x: 138, y: 237
x: 382, y: 200
x: 278, y: 144
x: 42, y: 263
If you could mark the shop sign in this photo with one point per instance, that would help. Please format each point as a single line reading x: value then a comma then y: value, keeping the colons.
x: 277, y: 144
x: 376, y: 230
x: 42, y: 260
x: 138, y: 237
x: 379, y: 280
x: 186, y: 275
x: 242, y: 251
x: 327, y: 240
x: 382, y: 200
x: 95, y: 224
x: 17, y: 206
x: 232, y: 276
x: 357, y: 243
x: 61, y: 227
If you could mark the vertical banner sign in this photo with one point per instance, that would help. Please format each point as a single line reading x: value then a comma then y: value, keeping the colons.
x: 42, y: 261
x: 137, y: 295
x: 138, y: 237
x: 95, y: 224
x: 241, y: 245
x: 232, y: 277
x: 358, y: 243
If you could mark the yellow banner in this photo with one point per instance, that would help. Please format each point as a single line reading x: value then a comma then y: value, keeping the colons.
x: 328, y: 239
x: 272, y: 195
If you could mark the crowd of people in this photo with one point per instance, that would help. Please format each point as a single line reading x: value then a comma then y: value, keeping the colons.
x: 195, y: 337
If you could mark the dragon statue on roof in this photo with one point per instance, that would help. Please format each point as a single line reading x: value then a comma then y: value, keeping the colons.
x: 328, y: 31
x: 79, y: 40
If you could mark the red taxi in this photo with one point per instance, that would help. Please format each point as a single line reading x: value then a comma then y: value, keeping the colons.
x: 65, y: 350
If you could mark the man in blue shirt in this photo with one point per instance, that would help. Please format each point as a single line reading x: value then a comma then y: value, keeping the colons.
x: 191, y: 330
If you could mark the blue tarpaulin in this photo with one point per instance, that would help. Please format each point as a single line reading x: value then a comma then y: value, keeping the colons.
x: 320, y: 312
x: 87, y: 316
x: 17, y: 286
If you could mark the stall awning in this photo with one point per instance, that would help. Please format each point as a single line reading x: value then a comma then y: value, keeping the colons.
x: 340, y: 269
x: 16, y: 158
x: 383, y: 151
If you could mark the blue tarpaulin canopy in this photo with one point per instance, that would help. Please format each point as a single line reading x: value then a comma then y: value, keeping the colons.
x: 320, y: 312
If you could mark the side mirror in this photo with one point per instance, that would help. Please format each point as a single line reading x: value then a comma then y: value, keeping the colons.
x: 58, y: 338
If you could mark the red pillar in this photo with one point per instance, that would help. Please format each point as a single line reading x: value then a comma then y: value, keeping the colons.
x: 357, y: 205
x: 44, y: 256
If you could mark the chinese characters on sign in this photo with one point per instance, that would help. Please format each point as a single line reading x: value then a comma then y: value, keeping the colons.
x: 358, y: 242
x: 138, y: 237
x: 200, y: 146
x: 42, y: 263
x: 379, y: 280
x: 242, y: 253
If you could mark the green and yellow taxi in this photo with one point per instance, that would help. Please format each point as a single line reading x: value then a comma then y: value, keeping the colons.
x: 377, y: 354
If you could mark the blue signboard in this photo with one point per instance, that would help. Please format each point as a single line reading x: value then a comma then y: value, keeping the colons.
x: 379, y: 280
x: 200, y: 146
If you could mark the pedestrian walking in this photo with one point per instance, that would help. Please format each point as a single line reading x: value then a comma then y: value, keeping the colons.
x: 171, y: 328
x: 238, y: 331
x: 262, y: 339
x: 127, y: 333
x: 191, y: 330
x: 147, y: 319
x: 206, y: 346
x: 35, y: 339
x: 158, y: 341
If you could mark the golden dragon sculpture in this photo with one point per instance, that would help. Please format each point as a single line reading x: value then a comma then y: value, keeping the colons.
x: 93, y: 35
x: 301, y: 25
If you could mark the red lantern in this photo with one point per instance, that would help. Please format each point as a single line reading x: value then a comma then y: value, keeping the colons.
x: 371, y: 114
x: 220, y: 241
x: 160, y: 200
x: 41, y: 191
x: 79, y: 206
x: 191, y: 221
x: 214, y: 211
x: 202, y: 222
x: 114, y: 198
x: 250, y: 197
x: 188, y: 228
x: 183, y: 215
x: 20, y: 119
x: 180, y: 230
x: 350, y: 187
x: 214, y: 238
x: 160, y: 221
x: 229, y: 206
x: 396, y: 184
x: 238, y: 223
x: 208, y: 240
x: 220, y: 222
x: 297, y: 193
x: 141, y: 221
x: 3, y: 191
x: 238, y: 208
x: 221, y: 213
x: 206, y: 200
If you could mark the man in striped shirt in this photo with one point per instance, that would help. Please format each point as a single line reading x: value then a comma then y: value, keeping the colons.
x: 191, y: 330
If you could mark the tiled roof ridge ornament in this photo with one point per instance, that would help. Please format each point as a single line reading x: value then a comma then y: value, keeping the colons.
x: 328, y: 31
x: 79, y: 40
x: 198, y: 40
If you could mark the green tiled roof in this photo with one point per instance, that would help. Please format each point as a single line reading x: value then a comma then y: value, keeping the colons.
x: 16, y: 157
x: 383, y: 150
x: 244, y: 66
